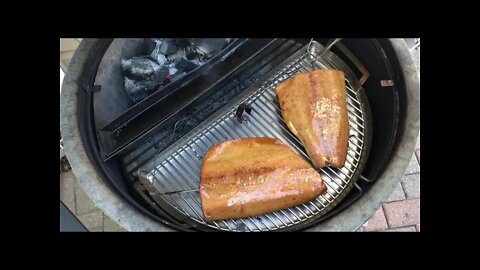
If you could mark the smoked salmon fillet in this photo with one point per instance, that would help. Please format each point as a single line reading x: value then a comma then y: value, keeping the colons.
x: 252, y: 176
x: 314, y: 107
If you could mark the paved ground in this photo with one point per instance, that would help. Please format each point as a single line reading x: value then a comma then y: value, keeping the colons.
x: 401, y: 212
x: 73, y: 196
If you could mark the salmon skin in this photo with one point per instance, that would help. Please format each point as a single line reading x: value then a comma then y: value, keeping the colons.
x: 253, y: 176
x: 314, y: 107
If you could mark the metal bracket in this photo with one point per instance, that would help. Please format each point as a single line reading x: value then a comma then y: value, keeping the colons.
x: 366, y: 179
x: 356, y: 62
x: 347, y: 53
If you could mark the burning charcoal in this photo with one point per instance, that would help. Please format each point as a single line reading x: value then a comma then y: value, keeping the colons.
x: 165, y: 45
x: 173, y: 58
x: 142, y: 75
x: 157, y: 54
x: 185, y: 65
x: 138, y: 90
x: 160, y: 58
x: 144, y: 68
x: 170, y: 60
x: 191, y: 53
x: 172, y: 69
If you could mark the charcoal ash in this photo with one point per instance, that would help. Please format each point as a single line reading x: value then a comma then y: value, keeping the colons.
x: 143, y: 68
x: 170, y: 60
x: 141, y: 76
x: 165, y: 45
x: 138, y: 90
x: 172, y: 69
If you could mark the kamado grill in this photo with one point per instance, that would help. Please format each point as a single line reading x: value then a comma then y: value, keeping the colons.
x: 143, y: 156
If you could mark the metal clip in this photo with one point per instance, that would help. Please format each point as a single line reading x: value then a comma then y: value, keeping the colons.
x: 243, y: 108
x: 366, y: 179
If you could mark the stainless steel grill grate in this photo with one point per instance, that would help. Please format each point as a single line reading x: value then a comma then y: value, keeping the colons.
x: 178, y: 167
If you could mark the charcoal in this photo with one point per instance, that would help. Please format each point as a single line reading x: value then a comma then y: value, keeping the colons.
x: 141, y: 68
x: 142, y: 75
x: 168, y: 61
x: 173, y: 71
x: 157, y: 54
x: 173, y: 58
x: 171, y: 68
x: 191, y: 53
x: 138, y: 90
x: 160, y: 58
x: 165, y: 45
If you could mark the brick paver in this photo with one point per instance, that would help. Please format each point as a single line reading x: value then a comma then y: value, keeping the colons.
x: 376, y: 222
x: 402, y: 213
x: 413, y: 166
x: 411, y: 185
x: 402, y: 229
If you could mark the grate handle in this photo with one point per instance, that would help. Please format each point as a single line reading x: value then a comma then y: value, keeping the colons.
x: 346, y: 52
